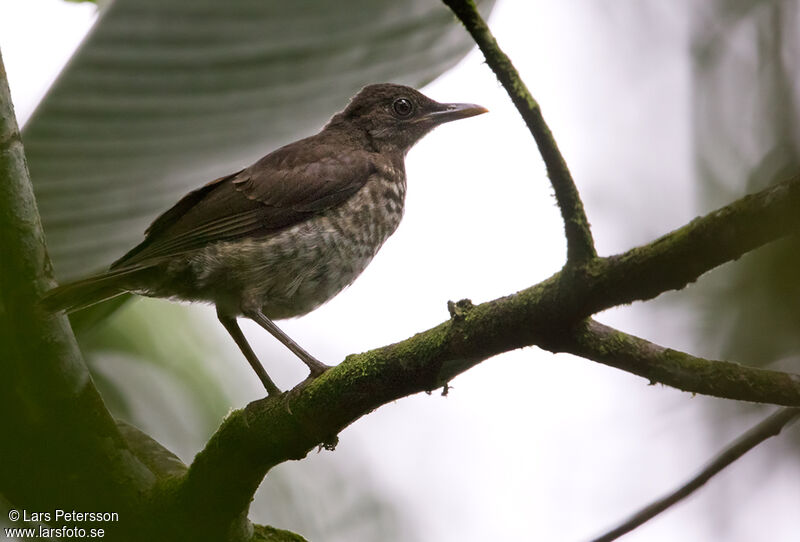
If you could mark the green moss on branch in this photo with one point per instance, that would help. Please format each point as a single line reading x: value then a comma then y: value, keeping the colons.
x: 595, y: 341
x: 251, y: 441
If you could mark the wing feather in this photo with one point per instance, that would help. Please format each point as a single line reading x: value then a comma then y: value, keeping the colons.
x: 289, y: 185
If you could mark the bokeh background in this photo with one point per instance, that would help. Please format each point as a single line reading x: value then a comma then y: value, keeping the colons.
x: 663, y: 111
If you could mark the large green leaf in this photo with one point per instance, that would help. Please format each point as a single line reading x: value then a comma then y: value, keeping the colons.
x: 164, y: 95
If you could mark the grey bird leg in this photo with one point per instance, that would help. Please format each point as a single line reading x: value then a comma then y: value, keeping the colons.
x: 314, y: 365
x: 230, y: 324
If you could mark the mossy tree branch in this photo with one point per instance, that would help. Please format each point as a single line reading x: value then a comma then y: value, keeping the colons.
x: 595, y: 341
x: 580, y: 245
x: 682, y: 256
x: 251, y: 441
x: 55, y: 428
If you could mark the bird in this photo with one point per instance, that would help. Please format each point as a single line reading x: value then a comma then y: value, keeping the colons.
x: 279, y: 238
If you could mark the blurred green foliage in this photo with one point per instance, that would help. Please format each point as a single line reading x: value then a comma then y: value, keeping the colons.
x: 746, y: 85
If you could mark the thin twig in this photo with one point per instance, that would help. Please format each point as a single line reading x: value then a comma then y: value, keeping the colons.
x: 580, y: 245
x: 768, y: 428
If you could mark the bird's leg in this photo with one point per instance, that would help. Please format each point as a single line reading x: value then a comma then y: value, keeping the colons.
x: 230, y: 324
x: 314, y: 365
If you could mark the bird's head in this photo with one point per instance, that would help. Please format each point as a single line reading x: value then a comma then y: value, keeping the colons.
x: 395, y: 117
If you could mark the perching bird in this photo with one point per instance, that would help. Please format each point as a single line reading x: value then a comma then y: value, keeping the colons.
x: 283, y: 236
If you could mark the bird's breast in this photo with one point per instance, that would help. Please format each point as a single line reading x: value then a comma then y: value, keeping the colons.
x: 367, y: 219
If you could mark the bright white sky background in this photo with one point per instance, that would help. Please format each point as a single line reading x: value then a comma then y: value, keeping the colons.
x: 528, y: 446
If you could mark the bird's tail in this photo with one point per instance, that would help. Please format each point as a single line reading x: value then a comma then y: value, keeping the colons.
x: 89, y: 291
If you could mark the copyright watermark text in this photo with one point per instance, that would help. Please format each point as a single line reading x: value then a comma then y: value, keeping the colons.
x: 71, y: 524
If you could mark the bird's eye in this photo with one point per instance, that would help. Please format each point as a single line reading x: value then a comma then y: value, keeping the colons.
x: 403, y: 107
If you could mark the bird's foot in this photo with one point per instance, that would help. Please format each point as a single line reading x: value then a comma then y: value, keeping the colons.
x: 316, y: 372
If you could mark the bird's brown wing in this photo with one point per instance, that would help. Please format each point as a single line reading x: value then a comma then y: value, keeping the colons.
x: 283, y: 188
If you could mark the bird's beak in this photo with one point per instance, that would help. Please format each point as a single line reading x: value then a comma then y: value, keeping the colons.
x: 447, y: 112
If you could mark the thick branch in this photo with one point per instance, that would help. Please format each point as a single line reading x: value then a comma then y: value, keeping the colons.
x: 580, y: 245
x: 606, y: 345
x: 47, y: 395
x: 270, y: 431
x: 770, y: 427
x: 682, y: 256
